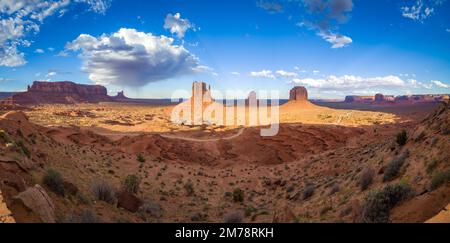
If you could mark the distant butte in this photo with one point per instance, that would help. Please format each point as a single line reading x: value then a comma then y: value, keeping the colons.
x: 298, y: 93
x: 298, y: 99
x: 65, y: 92
x: 380, y: 99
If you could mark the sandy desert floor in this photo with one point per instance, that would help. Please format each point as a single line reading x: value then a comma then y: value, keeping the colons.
x: 310, y: 172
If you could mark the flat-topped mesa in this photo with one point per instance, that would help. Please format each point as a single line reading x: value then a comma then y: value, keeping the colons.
x: 298, y: 93
x: 201, y: 92
x: 65, y: 92
x: 380, y: 99
x: 359, y: 99
x: 67, y: 87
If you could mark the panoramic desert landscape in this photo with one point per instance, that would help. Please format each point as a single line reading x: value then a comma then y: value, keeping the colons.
x: 250, y: 111
x: 121, y: 161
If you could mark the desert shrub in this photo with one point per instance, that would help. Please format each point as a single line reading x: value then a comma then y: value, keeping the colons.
x: 366, y: 178
x: 23, y: 149
x: 233, y: 217
x: 238, y: 195
x: 85, y: 217
x: 439, y: 179
x: 419, y: 137
x: 189, y: 187
x: 431, y: 167
x: 151, y: 208
x: 393, y: 168
x: 402, y: 138
x: 378, y: 204
x: 83, y: 199
x: 132, y: 183
x: 103, y: 191
x: 4, y: 136
x: 334, y: 189
x: 325, y: 210
x: 249, y: 210
x: 54, y: 181
x: 308, y: 191
x: 140, y: 158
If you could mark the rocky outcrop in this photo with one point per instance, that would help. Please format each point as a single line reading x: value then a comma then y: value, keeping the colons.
x: 128, y: 201
x: 120, y: 97
x: 298, y: 93
x: 5, y: 214
x: 442, y: 218
x: 35, y: 202
x: 359, y: 99
x: 61, y: 93
x: 390, y: 99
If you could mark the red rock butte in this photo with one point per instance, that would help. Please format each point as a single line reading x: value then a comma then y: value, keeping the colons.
x: 298, y: 93
x: 202, y: 91
x: 298, y: 99
x: 64, y: 92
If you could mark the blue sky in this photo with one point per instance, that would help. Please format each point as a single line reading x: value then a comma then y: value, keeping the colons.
x: 150, y: 48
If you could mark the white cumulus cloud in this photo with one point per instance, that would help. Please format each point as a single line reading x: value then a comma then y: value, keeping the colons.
x: 263, y: 74
x: 286, y: 74
x: 176, y: 25
x: 440, y: 84
x: 351, y: 82
x: 133, y: 58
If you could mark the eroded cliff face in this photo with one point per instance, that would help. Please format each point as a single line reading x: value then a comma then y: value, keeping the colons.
x: 298, y: 93
x: 62, y: 93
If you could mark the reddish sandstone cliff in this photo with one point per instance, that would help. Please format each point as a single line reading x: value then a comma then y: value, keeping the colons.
x: 61, y: 93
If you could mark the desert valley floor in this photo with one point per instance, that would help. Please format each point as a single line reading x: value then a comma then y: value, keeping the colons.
x: 325, y: 165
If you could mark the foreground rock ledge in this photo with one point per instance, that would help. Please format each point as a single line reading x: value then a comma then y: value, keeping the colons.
x: 5, y: 214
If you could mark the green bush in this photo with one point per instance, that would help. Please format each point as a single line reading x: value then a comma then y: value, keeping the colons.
x: 238, y: 195
x: 402, y: 138
x: 189, y: 187
x: 308, y: 192
x: 140, y: 158
x: 23, y: 149
x: 431, y: 167
x: 393, y: 168
x: 103, y: 191
x: 439, y: 179
x: 366, y: 178
x: 4, y: 136
x: 132, y: 183
x: 85, y: 217
x: 54, y: 181
x: 233, y: 217
x: 378, y: 204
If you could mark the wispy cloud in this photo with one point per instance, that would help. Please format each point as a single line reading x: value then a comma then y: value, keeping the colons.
x: 322, y: 16
x: 440, y: 84
x: 263, y: 74
x: 22, y: 18
x: 420, y: 10
x: 176, y: 25
x: 286, y: 74
x: 272, y: 6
